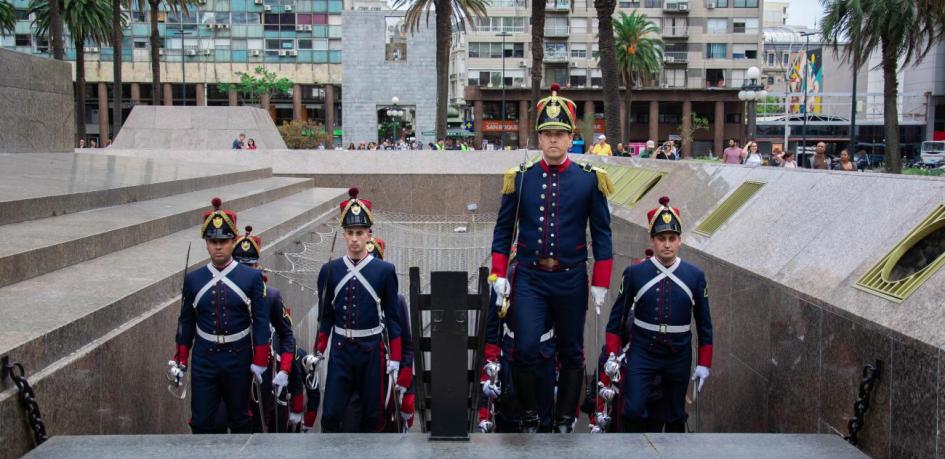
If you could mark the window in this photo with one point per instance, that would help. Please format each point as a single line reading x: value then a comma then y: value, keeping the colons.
x: 785, y: 59
x: 716, y: 26
x: 139, y: 16
x: 596, y: 80
x: 508, y: 4
x: 305, y: 43
x: 674, y: 78
x: 557, y: 51
x: 771, y: 60
x: 494, y: 50
x: 595, y: 50
x: 652, y: 3
x: 514, y: 49
x: 578, y: 25
x: 578, y: 78
x: 715, y: 78
x: 743, y: 51
x: 246, y: 18
x: 556, y: 25
x: 141, y: 43
x: 628, y: 4
x: 675, y: 27
x: 556, y: 75
x: 721, y: 3
x: 745, y: 3
x: 745, y: 25
x: 716, y: 51
x: 22, y: 39
x: 738, y: 78
x: 579, y: 50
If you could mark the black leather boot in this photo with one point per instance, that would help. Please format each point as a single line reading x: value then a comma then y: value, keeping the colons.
x: 676, y: 427
x: 525, y: 386
x: 570, y: 381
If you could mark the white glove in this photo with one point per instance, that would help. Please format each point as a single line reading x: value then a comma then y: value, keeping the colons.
x: 393, y: 367
x: 294, y: 419
x: 175, y: 372
x: 310, y: 362
x: 502, y: 288
x: 701, y: 373
x: 595, y: 428
x: 598, y: 294
x: 490, y: 390
x: 257, y: 372
x: 279, y: 382
x: 485, y: 426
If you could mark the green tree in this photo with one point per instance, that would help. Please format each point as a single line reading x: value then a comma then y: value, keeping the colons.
x: 7, y: 17
x: 901, y: 30
x: 304, y: 135
x: 252, y: 87
x: 696, y: 123
x: 175, y: 7
x: 446, y: 11
x: 639, y: 56
x: 88, y: 21
x: 610, y: 76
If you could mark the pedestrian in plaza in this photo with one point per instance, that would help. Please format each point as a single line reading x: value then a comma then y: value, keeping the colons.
x: 620, y: 150
x: 732, y: 154
x: 752, y: 157
x: 250, y: 144
x: 845, y: 163
x: 789, y: 161
x: 238, y: 141
x: 108, y: 142
x: 601, y: 148
x: 821, y: 161
x: 440, y: 144
x: 648, y: 151
x: 93, y: 143
x: 552, y: 202
x: 662, y: 296
x: 777, y: 157
x: 358, y: 315
x: 81, y: 143
x: 224, y: 318
x: 351, y: 146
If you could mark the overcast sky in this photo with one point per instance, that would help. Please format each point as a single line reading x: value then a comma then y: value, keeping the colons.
x: 804, y: 12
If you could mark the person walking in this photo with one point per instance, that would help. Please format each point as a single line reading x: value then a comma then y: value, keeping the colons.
x: 732, y: 154
x: 601, y: 148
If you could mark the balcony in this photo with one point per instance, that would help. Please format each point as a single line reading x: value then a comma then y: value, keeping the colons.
x: 557, y: 31
x: 675, y: 57
x: 675, y: 32
x: 676, y: 7
x: 555, y: 58
x: 558, y: 6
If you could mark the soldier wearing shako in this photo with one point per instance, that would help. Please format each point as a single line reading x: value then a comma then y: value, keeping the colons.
x: 358, y: 314
x: 551, y: 202
x: 224, y: 316
x: 247, y: 252
x: 661, y: 297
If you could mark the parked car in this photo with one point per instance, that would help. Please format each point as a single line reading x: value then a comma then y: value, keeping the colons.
x: 932, y: 154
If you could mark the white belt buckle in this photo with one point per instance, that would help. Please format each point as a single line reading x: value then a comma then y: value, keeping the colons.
x: 221, y: 339
x: 349, y: 334
x: 663, y: 328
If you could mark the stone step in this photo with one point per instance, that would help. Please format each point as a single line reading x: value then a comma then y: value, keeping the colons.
x: 37, y: 247
x: 41, y: 185
x: 49, y: 316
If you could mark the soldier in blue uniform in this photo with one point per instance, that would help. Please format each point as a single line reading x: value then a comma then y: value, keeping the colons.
x: 552, y: 202
x: 358, y: 307
x: 247, y: 252
x: 661, y: 297
x: 224, y: 317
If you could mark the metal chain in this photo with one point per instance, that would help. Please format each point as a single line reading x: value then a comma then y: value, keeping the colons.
x: 871, y: 374
x: 28, y: 397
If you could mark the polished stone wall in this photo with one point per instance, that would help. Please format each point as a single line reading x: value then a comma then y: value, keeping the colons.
x: 196, y: 128
x: 39, y: 109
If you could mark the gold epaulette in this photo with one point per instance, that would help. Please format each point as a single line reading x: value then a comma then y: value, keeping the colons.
x: 604, y: 184
x: 508, y: 181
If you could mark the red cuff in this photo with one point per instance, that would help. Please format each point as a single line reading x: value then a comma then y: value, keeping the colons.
x: 261, y: 355
x: 395, y: 349
x: 405, y: 378
x: 309, y: 420
x: 705, y: 355
x: 285, y: 364
x: 500, y: 264
x: 298, y: 404
x: 601, y: 275
x: 407, y: 406
x: 612, y: 344
x: 183, y: 353
x: 321, y: 343
x: 604, y: 378
x: 492, y: 352
x: 483, y: 414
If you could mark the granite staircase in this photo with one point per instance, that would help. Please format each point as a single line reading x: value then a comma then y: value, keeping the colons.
x: 90, y: 275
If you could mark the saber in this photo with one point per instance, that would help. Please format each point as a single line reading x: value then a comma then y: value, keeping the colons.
x: 504, y: 309
x: 596, y: 369
x: 178, y: 386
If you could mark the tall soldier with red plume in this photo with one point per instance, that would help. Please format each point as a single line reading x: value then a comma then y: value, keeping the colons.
x: 551, y: 203
x: 358, y: 317
x: 224, y: 318
x: 660, y: 298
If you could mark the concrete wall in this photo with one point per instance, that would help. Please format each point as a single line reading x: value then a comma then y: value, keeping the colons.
x: 196, y: 128
x: 39, y: 109
x: 370, y: 80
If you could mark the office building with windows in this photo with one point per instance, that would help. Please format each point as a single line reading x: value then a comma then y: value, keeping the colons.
x: 215, y: 39
x: 709, y: 46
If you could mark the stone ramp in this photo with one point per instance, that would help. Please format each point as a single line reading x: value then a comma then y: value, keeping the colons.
x: 196, y: 128
x: 417, y: 446
x: 40, y: 185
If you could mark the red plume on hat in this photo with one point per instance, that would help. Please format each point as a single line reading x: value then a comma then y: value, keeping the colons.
x: 648, y: 253
x: 664, y: 205
x: 256, y: 239
x: 216, y: 203
x: 353, y: 193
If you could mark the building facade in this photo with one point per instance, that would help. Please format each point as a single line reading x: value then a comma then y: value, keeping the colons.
x: 709, y: 44
x: 210, y: 44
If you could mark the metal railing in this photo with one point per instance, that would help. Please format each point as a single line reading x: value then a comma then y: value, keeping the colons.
x: 675, y: 57
x: 557, y: 31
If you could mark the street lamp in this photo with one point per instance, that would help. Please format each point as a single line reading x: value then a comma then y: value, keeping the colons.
x: 752, y: 91
x: 504, y: 34
x: 395, y: 112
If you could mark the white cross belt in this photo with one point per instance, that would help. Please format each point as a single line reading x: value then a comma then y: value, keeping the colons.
x: 220, y: 276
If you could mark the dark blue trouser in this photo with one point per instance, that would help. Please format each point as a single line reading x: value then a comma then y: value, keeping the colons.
x: 221, y: 373
x: 354, y: 367
x: 546, y: 374
x: 561, y: 295
x: 646, y: 364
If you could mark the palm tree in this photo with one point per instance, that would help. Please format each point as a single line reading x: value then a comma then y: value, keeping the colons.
x: 117, y: 20
x: 447, y: 12
x: 174, y: 6
x: 87, y: 21
x: 898, y: 29
x: 7, y: 17
x: 608, y: 67
x: 639, y: 55
x: 537, y: 22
